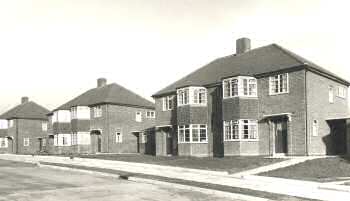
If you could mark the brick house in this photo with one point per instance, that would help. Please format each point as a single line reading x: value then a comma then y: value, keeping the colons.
x: 23, y: 129
x: 263, y: 101
x: 105, y: 119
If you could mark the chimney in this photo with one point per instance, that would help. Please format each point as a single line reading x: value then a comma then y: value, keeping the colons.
x: 242, y: 45
x: 101, y: 82
x: 24, y: 99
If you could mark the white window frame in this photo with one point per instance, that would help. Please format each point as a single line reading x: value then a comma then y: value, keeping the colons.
x: 138, y: 116
x: 314, y: 128
x: 341, y: 92
x: 74, y: 140
x: 191, y: 128
x: 97, y: 111
x: 44, y: 125
x: 240, y: 86
x: 26, y: 141
x: 118, y: 136
x: 240, y: 126
x: 143, y: 137
x: 5, y: 141
x: 273, y: 81
x: 150, y: 114
x: 168, y: 103
x: 196, y: 96
x: 331, y: 94
x: 11, y: 123
x: 43, y: 142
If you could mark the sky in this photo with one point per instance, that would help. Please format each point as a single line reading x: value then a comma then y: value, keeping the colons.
x: 52, y: 51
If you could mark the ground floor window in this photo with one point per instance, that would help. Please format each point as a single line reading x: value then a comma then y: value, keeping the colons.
x: 192, y: 133
x: 83, y: 138
x: 3, y: 142
x: 26, y: 141
x: 143, y: 137
x: 118, y: 136
x: 63, y: 140
x: 242, y: 129
x: 43, y: 142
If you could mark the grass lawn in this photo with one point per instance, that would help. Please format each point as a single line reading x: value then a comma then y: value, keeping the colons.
x: 231, y: 164
x: 321, y: 170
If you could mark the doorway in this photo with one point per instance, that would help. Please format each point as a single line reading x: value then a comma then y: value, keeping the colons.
x: 99, y: 144
x: 280, y: 134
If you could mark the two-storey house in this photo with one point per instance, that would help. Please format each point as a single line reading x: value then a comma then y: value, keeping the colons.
x: 105, y: 119
x: 263, y: 101
x: 23, y: 129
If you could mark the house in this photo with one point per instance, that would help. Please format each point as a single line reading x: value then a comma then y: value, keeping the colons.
x: 105, y: 119
x: 23, y: 129
x: 263, y: 101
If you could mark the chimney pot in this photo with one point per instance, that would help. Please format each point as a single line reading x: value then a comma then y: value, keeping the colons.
x: 242, y: 45
x: 101, y: 82
x: 24, y: 99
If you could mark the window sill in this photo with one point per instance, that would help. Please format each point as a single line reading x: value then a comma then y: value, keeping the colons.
x: 193, y: 142
x: 242, y: 97
x: 275, y: 94
x: 194, y: 105
x: 242, y: 140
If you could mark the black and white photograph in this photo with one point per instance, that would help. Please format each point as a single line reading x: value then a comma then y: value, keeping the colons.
x: 185, y: 100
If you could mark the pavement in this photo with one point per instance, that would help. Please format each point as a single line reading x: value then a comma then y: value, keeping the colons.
x: 304, y: 189
x: 24, y: 181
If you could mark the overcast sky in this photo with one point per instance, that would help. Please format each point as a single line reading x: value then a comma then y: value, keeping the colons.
x: 53, y: 51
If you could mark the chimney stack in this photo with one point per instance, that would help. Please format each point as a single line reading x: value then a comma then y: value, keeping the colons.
x: 242, y: 45
x: 24, y: 99
x: 101, y: 82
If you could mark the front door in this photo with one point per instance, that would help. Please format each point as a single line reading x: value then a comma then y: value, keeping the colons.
x: 169, y: 143
x: 280, y: 136
x: 99, y: 143
x: 40, y: 144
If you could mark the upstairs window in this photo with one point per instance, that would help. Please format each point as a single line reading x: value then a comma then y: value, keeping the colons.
x: 44, y: 126
x: 279, y: 84
x: 242, y: 129
x: 241, y: 86
x: 61, y: 116
x: 138, y: 117
x: 192, y: 133
x: 10, y: 122
x: 3, y: 124
x: 331, y: 94
x: 168, y: 103
x: 97, y: 111
x: 341, y: 92
x: 192, y: 96
x: 150, y: 114
x: 73, y: 113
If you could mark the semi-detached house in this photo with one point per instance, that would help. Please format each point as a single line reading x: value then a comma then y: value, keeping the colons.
x: 23, y: 129
x: 105, y: 119
x: 263, y: 101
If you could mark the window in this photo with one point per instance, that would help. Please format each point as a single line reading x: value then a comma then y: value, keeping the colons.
x: 26, y: 142
x: 150, y: 114
x: 83, y: 138
x: 44, y: 126
x: 64, y: 140
x: 330, y: 94
x: 314, y: 128
x: 243, y: 129
x: 74, y: 138
x: 97, y: 111
x: 80, y: 112
x: 3, y: 142
x: 279, y: 84
x: 118, y: 136
x: 55, y: 140
x: 11, y: 123
x: 43, y: 142
x: 193, y: 133
x: 342, y: 92
x: 3, y: 124
x: 143, y: 137
x: 138, y: 117
x: 241, y: 86
x: 192, y: 95
x: 73, y: 112
x: 168, y: 103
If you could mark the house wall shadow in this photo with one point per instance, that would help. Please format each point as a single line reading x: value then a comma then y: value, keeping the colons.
x: 336, y: 141
x: 216, y: 122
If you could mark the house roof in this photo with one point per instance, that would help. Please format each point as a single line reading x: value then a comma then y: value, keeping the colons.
x: 27, y: 110
x: 112, y: 94
x: 266, y: 59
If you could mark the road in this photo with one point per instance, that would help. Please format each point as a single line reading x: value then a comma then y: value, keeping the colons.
x: 25, y: 182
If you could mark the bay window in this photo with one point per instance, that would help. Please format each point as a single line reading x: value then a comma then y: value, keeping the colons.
x: 192, y: 96
x: 241, y: 86
x: 193, y: 133
x: 279, y: 84
x: 97, y: 111
x: 242, y: 129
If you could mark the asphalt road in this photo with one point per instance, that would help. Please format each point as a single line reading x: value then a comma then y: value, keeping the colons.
x: 25, y: 182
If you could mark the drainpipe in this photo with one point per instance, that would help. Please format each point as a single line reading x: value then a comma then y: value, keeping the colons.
x: 306, y: 118
x: 16, y: 136
x: 108, y: 128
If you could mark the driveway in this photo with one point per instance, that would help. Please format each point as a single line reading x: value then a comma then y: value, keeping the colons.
x: 21, y: 181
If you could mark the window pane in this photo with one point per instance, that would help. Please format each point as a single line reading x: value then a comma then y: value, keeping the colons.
x: 226, y: 88
x: 203, y: 135
x: 195, y: 135
x: 187, y: 135
x: 234, y: 87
